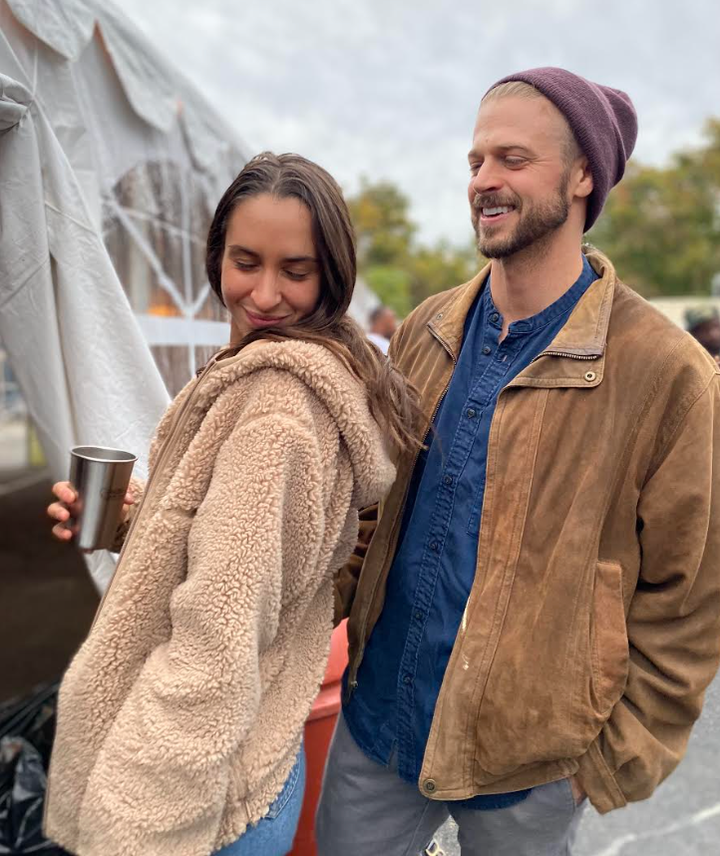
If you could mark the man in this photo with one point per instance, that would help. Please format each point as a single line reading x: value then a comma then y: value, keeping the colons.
x: 703, y: 324
x: 383, y: 323
x: 538, y: 612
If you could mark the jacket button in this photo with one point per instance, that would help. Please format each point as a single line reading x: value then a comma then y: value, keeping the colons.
x: 430, y: 786
x: 470, y: 413
x: 434, y: 546
x: 590, y: 376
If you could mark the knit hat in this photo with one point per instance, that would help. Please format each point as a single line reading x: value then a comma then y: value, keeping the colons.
x: 603, y: 120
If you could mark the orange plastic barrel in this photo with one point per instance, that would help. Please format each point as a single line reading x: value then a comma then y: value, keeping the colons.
x: 318, y: 732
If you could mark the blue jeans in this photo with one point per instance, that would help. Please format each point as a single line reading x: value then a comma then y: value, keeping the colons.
x: 273, y: 834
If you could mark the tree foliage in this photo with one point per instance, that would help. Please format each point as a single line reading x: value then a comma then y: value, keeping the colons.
x: 661, y: 226
x: 399, y: 269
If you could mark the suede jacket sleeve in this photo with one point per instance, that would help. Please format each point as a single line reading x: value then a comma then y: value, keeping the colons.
x: 161, y: 777
x: 673, y: 623
x: 346, y: 580
x: 347, y: 577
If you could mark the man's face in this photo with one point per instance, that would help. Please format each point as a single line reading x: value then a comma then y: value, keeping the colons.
x: 520, y: 174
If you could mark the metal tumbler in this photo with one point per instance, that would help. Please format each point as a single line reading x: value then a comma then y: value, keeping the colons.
x: 100, y: 476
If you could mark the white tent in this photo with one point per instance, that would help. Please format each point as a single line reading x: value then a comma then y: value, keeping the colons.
x: 111, y: 166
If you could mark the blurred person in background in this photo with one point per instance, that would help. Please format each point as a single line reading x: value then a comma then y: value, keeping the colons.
x: 703, y: 323
x: 534, y: 609
x: 382, y: 325
x: 180, y: 720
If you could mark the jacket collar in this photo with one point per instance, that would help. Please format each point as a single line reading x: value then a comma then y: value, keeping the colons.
x: 582, y: 338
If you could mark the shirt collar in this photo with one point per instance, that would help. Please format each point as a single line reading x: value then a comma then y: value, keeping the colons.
x: 562, y: 306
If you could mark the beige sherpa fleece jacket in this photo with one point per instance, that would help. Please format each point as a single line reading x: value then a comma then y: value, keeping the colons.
x: 181, y: 716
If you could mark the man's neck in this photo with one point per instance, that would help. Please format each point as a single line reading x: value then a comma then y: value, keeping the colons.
x: 530, y: 281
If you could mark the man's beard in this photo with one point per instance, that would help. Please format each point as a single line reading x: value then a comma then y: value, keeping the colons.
x: 539, y: 222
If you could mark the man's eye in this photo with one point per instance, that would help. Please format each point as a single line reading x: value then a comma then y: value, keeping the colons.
x: 514, y: 161
x: 474, y: 168
x: 246, y: 266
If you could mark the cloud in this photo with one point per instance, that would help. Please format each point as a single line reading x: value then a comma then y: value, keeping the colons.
x: 389, y: 88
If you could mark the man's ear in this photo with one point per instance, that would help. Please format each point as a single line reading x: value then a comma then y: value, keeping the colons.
x: 583, y: 178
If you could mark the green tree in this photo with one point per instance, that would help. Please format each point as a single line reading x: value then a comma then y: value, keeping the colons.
x: 661, y: 226
x: 443, y: 266
x: 380, y: 213
x: 392, y: 286
x: 399, y: 269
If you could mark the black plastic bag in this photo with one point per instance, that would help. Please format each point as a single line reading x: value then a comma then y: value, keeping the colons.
x: 27, y: 729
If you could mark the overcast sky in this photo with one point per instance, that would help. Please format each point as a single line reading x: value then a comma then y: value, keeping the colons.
x: 389, y: 88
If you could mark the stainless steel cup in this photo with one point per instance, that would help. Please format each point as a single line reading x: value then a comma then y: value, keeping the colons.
x: 100, y: 476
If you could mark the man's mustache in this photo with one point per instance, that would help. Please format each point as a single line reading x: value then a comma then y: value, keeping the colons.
x: 487, y: 200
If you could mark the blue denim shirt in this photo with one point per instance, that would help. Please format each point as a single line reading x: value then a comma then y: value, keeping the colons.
x: 429, y: 582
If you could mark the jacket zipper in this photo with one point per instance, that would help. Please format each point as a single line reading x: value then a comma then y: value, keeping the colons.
x: 163, y: 454
x: 352, y: 683
x: 569, y: 356
x: 150, y: 482
x: 161, y: 459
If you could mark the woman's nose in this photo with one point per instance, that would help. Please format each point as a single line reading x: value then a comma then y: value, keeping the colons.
x: 266, y: 294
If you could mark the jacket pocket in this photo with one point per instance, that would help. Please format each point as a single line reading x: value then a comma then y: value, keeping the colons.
x: 609, y: 641
x: 559, y: 669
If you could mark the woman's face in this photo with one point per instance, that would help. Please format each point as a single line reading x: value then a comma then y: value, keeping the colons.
x: 270, y: 270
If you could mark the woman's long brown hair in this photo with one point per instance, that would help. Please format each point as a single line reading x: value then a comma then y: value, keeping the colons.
x: 393, y: 401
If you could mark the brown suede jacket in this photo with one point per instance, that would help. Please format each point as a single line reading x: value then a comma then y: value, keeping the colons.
x: 593, y: 625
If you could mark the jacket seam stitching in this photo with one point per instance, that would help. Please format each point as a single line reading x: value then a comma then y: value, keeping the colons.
x: 680, y: 422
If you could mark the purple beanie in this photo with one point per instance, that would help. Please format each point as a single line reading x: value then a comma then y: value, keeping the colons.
x: 603, y: 120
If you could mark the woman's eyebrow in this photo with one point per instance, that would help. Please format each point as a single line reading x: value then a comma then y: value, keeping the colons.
x: 294, y: 259
x: 236, y: 249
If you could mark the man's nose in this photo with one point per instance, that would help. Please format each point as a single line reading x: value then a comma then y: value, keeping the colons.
x: 487, y: 178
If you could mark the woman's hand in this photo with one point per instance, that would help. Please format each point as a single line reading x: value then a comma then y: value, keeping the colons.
x: 66, y: 508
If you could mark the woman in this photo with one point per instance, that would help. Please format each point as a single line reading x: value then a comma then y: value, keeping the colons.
x: 180, y: 720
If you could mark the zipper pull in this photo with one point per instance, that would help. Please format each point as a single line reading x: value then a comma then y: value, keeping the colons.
x: 351, y: 687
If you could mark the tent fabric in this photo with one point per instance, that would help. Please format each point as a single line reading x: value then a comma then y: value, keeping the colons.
x: 74, y: 343
x: 151, y: 155
x: 112, y: 164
